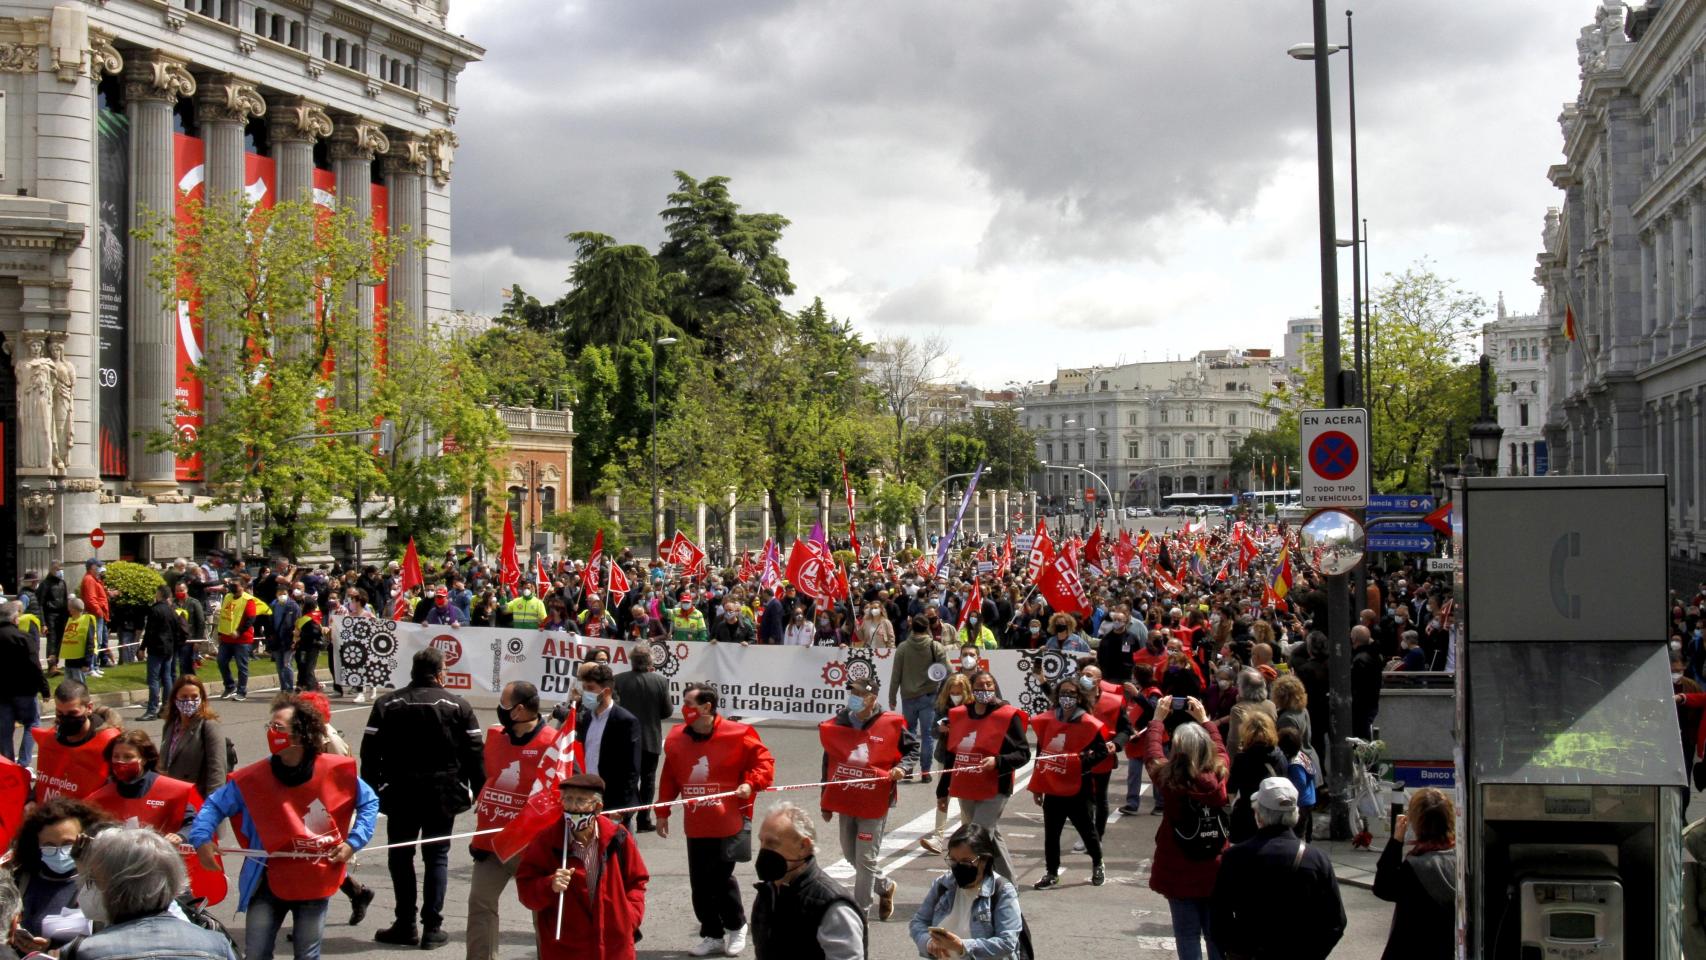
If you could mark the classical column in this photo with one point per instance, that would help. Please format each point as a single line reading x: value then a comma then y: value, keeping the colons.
x: 699, y: 523
x: 294, y: 126
x: 1647, y: 284
x: 355, y: 142
x: 764, y: 515
x: 1661, y: 287
x: 405, y: 168
x: 1676, y: 322
x: 223, y: 106
x: 1697, y: 229
x: 153, y: 83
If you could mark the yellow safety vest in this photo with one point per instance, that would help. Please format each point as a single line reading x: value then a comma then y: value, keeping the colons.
x: 231, y: 613
x: 75, y: 644
x: 30, y: 624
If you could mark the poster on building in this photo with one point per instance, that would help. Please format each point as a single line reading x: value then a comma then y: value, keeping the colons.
x: 189, y: 173
x: 112, y: 132
x: 780, y: 682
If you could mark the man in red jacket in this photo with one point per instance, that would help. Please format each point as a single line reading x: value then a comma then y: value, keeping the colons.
x: 592, y: 872
x: 708, y: 756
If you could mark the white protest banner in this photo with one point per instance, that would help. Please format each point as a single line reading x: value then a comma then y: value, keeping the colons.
x: 798, y: 683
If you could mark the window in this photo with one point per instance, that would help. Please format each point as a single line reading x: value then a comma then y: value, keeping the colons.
x: 325, y: 46
x: 1190, y: 414
x: 1080, y: 449
x: 1133, y: 450
x: 516, y: 494
x: 1210, y: 446
x: 261, y: 21
x: 1232, y: 418
x: 298, y: 36
x: 1525, y: 459
x: 1522, y: 414
x: 1050, y: 448
x: 341, y: 49
x: 1163, y: 449
x: 1131, y: 419
x: 1163, y: 414
x: 1104, y: 384
x: 1103, y: 453
x: 1101, y: 419
x: 547, y: 501
x: 1048, y: 420
x: 1190, y: 447
x: 1231, y: 386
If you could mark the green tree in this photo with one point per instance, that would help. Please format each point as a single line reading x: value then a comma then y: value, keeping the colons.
x: 580, y: 527
x: 525, y: 311
x: 523, y: 367
x: 258, y: 278
x: 1254, y: 456
x: 596, y: 439
x: 719, y: 267
x: 614, y: 294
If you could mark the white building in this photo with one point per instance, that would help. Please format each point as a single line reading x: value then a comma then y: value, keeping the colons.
x: 1626, y: 255
x: 113, y: 112
x: 1300, y: 333
x: 1150, y: 429
x: 1518, y: 345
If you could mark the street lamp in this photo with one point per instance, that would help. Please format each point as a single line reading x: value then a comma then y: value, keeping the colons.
x: 657, y: 353
x: 1485, y: 433
x: 1436, y: 484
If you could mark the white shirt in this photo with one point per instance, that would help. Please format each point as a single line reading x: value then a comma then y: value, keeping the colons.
x: 958, y: 920
x: 595, y: 739
x: 799, y: 634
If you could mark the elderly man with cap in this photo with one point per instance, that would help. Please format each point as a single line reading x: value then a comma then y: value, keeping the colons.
x: 1247, y: 919
x: 866, y: 750
x: 586, y: 882
x: 798, y: 910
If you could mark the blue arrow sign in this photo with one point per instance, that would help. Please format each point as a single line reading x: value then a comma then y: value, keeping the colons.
x: 1386, y: 529
x: 1400, y: 543
x: 1401, y: 503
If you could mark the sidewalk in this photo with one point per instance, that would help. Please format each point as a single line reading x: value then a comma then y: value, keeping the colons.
x: 1352, y: 866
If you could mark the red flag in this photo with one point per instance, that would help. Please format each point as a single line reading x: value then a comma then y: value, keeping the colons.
x: 411, y: 579
x: 1282, y: 575
x: 842, y: 590
x: 1569, y: 323
x: 1042, y: 552
x: 1062, y: 588
x: 1123, y: 552
x: 619, y: 585
x: 747, y: 567
x: 1005, y: 564
x: 594, y: 563
x: 687, y: 555
x: 14, y: 793
x: 852, y: 528
x: 876, y: 565
x: 509, y: 566
x: 811, y: 569
x: 974, y: 602
x: 925, y: 566
x: 770, y: 575
x: 544, y: 806
x: 542, y: 579
x: 1093, y: 550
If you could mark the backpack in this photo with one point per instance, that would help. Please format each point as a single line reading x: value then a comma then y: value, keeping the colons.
x: 1302, y: 775
x: 1202, y: 831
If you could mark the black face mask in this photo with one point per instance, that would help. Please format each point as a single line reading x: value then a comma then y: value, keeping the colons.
x: 72, y: 724
x: 771, y: 866
x: 506, y: 719
x: 965, y: 874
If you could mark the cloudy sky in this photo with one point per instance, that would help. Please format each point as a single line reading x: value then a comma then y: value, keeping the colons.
x: 1045, y: 182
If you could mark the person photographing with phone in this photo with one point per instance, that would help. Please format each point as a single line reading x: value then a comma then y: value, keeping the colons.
x: 1191, y: 778
x: 970, y: 911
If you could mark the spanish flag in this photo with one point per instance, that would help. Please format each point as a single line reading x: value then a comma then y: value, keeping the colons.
x: 1569, y: 323
x: 1283, y: 575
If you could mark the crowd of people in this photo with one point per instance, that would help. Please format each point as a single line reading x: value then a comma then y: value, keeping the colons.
x: 1198, y: 660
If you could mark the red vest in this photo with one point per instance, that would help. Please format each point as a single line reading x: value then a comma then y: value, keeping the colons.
x: 311, y: 818
x: 161, y: 809
x: 1061, y: 776
x: 855, y: 754
x: 716, y: 765
x: 970, y: 741
x: 511, y: 773
x: 74, y: 772
x: 1107, y: 709
x: 1134, y: 716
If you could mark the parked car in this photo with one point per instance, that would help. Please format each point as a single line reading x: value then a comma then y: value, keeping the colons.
x: 1134, y: 513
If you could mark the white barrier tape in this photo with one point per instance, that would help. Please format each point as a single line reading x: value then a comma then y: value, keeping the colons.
x: 618, y: 812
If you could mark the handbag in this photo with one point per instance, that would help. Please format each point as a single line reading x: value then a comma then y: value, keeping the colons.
x: 738, y: 848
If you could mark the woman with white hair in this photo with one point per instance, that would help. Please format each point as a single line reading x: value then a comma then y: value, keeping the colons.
x: 130, y: 879
x: 1191, y: 778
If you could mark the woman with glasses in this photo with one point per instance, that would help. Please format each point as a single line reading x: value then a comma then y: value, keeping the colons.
x: 45, y: 867
x: 970, y: 911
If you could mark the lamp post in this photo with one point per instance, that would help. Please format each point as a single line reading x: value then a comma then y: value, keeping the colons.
x: 657, y: 352
x: 1485, y: 433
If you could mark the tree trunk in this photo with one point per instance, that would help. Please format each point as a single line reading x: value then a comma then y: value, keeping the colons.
x: 778, y: 516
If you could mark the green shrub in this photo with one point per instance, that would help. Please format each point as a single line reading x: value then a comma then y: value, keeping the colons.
x: 132, y: 584
x: 845, y: 558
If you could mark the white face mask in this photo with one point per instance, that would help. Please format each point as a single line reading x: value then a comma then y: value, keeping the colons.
x: 956, y: 698
x: 92, y: 902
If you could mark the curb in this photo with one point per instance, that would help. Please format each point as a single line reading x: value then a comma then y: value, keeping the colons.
x: 139, y: 698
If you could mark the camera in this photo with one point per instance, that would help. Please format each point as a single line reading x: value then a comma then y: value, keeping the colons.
x: 1181, y: 703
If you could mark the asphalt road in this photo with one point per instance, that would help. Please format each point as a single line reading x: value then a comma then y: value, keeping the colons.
x: 1122, y: 918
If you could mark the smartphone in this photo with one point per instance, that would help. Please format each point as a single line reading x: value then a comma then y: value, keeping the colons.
x: 1181, y: 703
x: 938, y: 931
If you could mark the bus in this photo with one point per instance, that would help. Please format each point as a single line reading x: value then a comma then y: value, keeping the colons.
x: 1278, y: 498
x: 1196, y: 504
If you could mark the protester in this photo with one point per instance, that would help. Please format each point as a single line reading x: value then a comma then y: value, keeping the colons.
x: 1423, y: 882
x: 799, y: 632
x: 132, y: 880
x: 586, y: 883
x: 976, y: 909
x: 163, y: 635
x: 1259, y: 760
x: 1366, y: 670
x: 920, y: 666
x: 1309, y: 918
x: 1141, y: 696
x: 1252, y: 699
x: 70, y: 759
x: 1303, y: 776
x: 22, y: 687
x: 1070, y: 742
x: 44, y: 865
x: 1106, y: 702
x: 609, y: 737
x: 1191, y: 776
x: 687, y: 623
x: 956, y: 690
x: 798, y: 910
x: 93, y: 592
x: 421, y: 753
x: 237, y: 616
x: 985, y: 744
x: 194, y: 616
x: 871, y: 747
x: 135, y: 793
x: 707, y: 756
x: 515, y: 756
x: 645, y: 694
x: 300, y: 798
x: 77, y: 644
x: 874, y: 629
x: 193, y: 746
x: 54, y: 596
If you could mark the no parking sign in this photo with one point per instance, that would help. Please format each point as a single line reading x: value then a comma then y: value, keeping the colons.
x: 1335, y: 458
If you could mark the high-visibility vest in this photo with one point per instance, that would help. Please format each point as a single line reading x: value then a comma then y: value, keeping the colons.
x: 231, y: 616
x: 74, y: 645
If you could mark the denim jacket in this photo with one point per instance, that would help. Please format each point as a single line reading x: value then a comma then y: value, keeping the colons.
x: 995, y: 917
x: 158, y: 936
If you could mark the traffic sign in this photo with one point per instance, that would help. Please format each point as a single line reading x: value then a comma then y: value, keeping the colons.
x: 1442, y: 564
x: 1400, y: 543
x: 1090, y: 494
x: 1440, y: 519
x: 1400, y: 503
x: 1377, y: 524
x: 1335, y: 465
x: 97, y: 538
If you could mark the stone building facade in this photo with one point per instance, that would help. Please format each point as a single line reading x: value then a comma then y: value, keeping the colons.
x: 1151, y: 429
x: 1625, y: 256
x: 112, y: 111
x: 1519, y: 346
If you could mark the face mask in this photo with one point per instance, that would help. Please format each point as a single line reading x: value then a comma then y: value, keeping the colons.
x: 1088, y: 683
x: 580, y: 821
x: 731, y: 615
x: 965, y: 874
x: 506, y: 718
x: 969, y: 661
x: 589, y: 700
x: 823, y: 621
x: 971, y: 622
x: 277, y: 742
x: 931, y: 615
x: 1068, y: 704
x: 72, y: 724
x: 189, y: 706
x: 58, y: 859
x: 689, y: 712
x: 440, y: 601
x: 983, y: 696
x: 283, y: 598
x: 125, y: 771
x: 855, y: 703
x: 956, y: 698
x: 527, y: 592
x: 874, y: 612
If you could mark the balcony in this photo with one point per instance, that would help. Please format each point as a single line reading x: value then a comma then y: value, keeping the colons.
x: 535, y: 420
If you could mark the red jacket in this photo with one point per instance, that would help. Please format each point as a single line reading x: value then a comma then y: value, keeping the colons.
x: 94, y: 594
x: 1173, y: 875
x: 594, y: 928
x: 1696, y: 701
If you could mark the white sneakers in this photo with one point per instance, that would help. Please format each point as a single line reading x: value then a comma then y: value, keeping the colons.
x: 734, y: 942
x: 706, y: 947
x: 360, y: 696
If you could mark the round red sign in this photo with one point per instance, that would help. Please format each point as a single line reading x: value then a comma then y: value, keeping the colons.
x: 97, y: 538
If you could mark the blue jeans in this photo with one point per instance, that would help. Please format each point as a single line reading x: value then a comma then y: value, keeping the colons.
x: 103, y: 656
x: 160, y: 677
x: 186, y: 658
x: 284, y: 657
x: 22, y: 711
x: 240, y: 653
x: 266, y: 916
x: 920, y: 716
x: 128, y: 649
x: 1190, y: 928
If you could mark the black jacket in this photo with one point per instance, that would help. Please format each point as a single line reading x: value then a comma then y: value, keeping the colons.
x: 646, y: 696
x: 54, y: 596
x: 1269, y: 903
x: 1366, y: 670
x: 163, y: 631
x: 1424, y: 887
x: 785, y: 919
x: 20, y: 672
x: 422, y: 750
x: 618, y: 755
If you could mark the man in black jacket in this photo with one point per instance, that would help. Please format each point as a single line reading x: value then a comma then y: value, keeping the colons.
x: 799, y: 911
x: 163, y: 635
x: 1247, y: 919
x: 422, y: 753
x: 22, y: 684
x: 1366, y: 669
x: 54, y: 596
x: 645, y: 694
x: 609, y: 736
